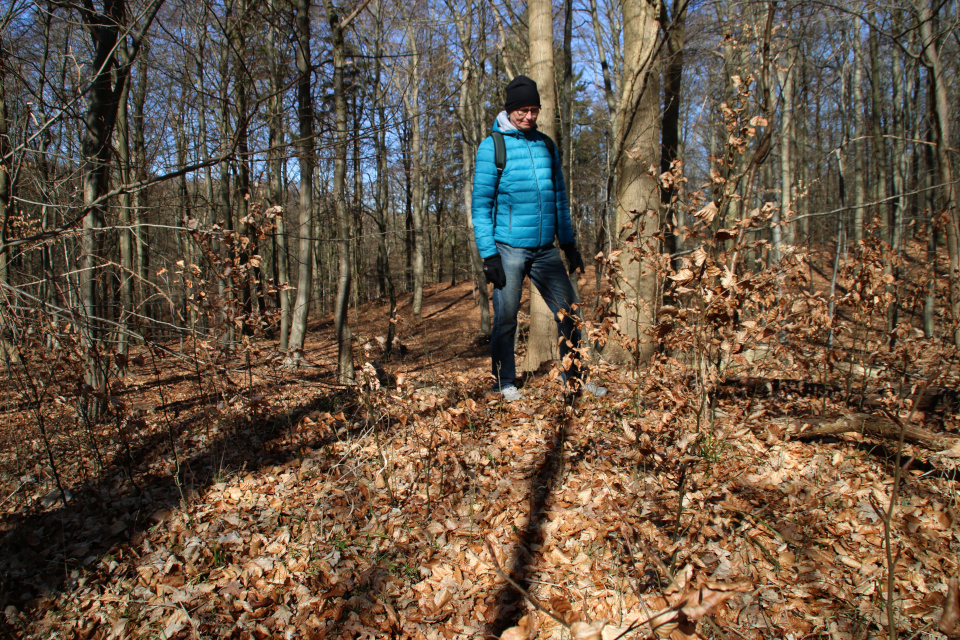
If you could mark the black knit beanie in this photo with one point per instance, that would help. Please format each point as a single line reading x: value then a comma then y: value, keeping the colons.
x: 521, y: 92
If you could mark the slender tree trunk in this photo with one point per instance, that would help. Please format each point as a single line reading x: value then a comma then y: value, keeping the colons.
x: 672, y: 87
x: 411, y: 104
x: 876, y: 126
x: 860, y: 132
x: 127, y: 274
x: 782, y: 225
x: 306, y: 144
x: 5, y: 178
x: 277, y: 170
x: 344, y: 337
x: 382, y: 192
x: 469, y: 118
x: 139, y: 153
x: 99, y: 122
x: 941, y: 119
x: 249, y: 288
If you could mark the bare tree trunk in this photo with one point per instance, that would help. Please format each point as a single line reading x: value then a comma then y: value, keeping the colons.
x: 411, y: 104
x: 782, y: 226
x: 672, y: 24
x: 930, y: 297
x: 638, y: 195
x: 469, y: 117
x: 277, y: 194
x: 876, y: 125
x: 941, y: 119
x: 5, y: 180
x: 306, y: 144
x: 249, y: 288
x: 860, y: 131
x: 127, y: 277
x: 542, y: 343
x: 344, y: 337
x: 99, y: 122
x: 382, y: 192
x: 227, y: 290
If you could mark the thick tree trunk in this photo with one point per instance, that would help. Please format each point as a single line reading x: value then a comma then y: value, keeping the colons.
x: 638, y: 195
x: 542, y: 342
x: 305, y: 156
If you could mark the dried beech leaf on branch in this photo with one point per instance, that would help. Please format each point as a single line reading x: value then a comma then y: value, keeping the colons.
x: 708, y: 213
x: 950, y: 618
x: 683, y: 276
x: 726, y: 234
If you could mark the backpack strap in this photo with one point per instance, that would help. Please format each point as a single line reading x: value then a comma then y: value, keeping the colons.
x: 551, y: 147
x: 500, y: 160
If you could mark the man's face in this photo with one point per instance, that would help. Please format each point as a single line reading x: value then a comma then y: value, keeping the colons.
x: 525, y: 118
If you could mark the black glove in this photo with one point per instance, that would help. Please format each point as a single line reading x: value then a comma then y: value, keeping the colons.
x: 573, y: 257
x: 493, y: 269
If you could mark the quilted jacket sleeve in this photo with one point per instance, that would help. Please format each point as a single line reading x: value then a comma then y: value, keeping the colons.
x: 481, y: 207
x: 564, y: 225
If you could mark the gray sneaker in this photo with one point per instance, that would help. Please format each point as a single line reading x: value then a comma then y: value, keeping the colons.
x: 511, y: 393
x: 595, y: 390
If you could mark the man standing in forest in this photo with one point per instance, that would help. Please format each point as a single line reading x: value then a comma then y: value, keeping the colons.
x: 519, y: 206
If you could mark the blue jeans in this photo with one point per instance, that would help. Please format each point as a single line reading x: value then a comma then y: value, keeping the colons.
x: 549, y: 276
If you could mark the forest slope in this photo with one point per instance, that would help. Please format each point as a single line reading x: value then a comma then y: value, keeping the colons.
x: 289, y: 506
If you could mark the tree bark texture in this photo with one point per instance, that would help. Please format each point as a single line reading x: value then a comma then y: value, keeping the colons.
x: 306, y: 145
x: 542, y: 342
x: 638, y: 195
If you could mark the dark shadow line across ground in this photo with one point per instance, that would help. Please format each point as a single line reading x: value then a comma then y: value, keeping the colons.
x: 509, y: 601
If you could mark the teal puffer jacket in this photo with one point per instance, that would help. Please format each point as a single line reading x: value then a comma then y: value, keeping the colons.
x: 531, y: 206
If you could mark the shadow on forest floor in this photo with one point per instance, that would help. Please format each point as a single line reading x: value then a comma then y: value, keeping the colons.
x: 43, y: 554
x: 509, y: 601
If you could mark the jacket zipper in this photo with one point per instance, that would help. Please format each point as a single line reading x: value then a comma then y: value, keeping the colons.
x: 536, y: 181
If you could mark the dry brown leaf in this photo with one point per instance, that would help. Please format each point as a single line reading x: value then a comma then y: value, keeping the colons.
x: 587, y: 630
x: 708, y: 213
x: 177, y: 621
x: 525, y: 626
x: 514, y: 633
x: 709, y: 596
x: 683, y: 276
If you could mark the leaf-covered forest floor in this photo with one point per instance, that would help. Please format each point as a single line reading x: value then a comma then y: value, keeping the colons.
x: 260, y: 502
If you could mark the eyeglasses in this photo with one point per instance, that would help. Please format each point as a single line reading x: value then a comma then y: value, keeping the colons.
x: 528, y: 111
